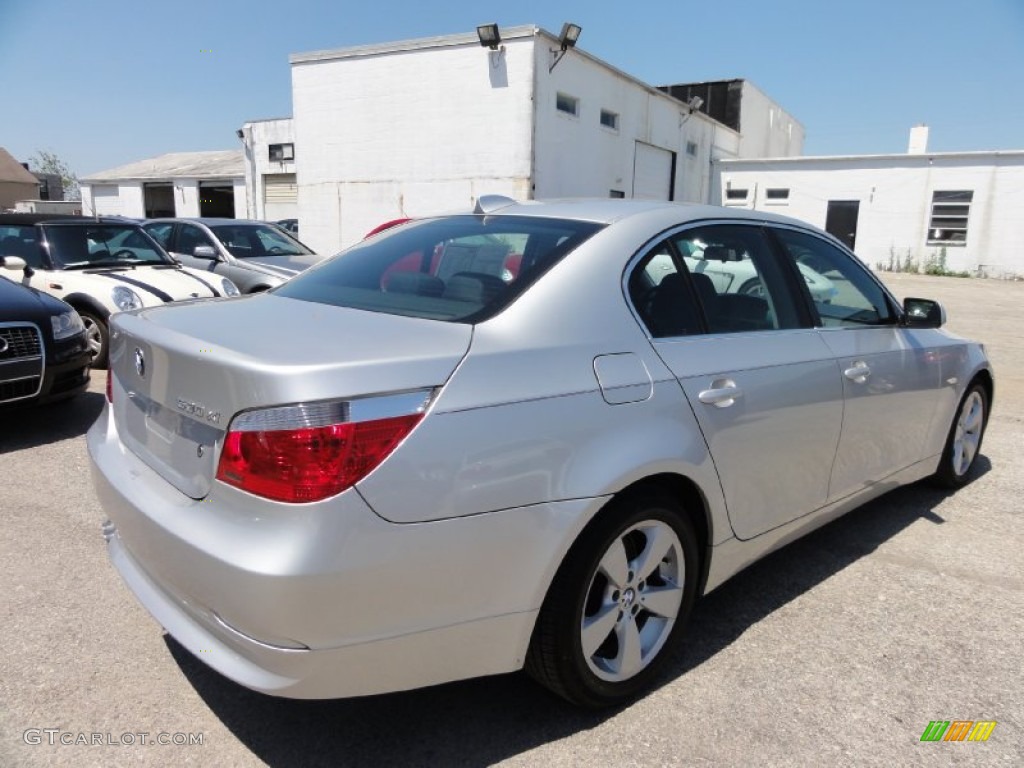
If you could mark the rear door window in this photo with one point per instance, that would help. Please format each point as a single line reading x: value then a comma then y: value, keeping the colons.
x: 727, y: 275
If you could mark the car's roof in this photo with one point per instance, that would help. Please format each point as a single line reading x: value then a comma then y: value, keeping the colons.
x: 29, y: 219
x: 209, y: 221
x: 608, y: 210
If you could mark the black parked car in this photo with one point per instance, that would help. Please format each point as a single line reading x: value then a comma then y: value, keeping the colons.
x: 44, y: 354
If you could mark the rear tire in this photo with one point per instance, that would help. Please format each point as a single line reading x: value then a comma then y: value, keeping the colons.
x: 618, y: 603
x: 964, y: 441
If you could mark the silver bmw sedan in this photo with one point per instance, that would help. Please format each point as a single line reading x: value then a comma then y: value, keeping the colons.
x: 527, y: 436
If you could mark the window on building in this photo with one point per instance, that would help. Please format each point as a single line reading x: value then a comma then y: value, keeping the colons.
x: 948, y: 223
x: 735, y: 194
x: 568, y: 104
x: 616, y: 193
x: 282, y: 152
x: 609, y: 119
x: 776, y: 195
x: 691, y: 148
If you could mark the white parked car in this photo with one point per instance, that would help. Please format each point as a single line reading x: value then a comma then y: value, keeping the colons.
x: 99, y: 267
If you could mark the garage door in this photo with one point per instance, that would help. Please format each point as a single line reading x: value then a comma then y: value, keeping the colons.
x: 280, y: 196
x: 106, y: 200
x: 652, y: 172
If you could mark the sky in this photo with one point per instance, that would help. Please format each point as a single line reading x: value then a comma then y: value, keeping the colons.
x: 107, y: 82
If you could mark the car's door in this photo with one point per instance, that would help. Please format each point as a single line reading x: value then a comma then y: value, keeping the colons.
x: 759, y: 378
x: 188, y: 237
x: 891, y: 377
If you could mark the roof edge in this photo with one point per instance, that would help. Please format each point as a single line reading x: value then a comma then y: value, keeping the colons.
x: 975, y: 153
x: 415, y: 44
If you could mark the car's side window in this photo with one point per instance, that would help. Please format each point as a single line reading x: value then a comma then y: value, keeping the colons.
x: 843, y: 291
x: 737, y: 279
x: 718, y: 278
x: 660, y: 294
x: 16, y: 240
x: 161, y: 233
x: 189, y: 237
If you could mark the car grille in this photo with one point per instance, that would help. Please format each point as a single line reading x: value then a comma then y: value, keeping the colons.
x: 21, y: 361
x: 22, y: 341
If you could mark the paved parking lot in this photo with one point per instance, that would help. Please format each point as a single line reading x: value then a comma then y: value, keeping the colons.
x: 839, y: 649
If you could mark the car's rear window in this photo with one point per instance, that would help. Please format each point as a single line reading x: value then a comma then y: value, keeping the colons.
x: 456, y: 268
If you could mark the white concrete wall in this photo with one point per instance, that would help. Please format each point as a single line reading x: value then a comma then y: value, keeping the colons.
x: 766, y: 129
x: 117, y: 199
x: 241, y: 198
x: 579, y: 157
x: 408, y: 133
x: 259, y: 135
x: 186, y: 197
x: 895, y: 194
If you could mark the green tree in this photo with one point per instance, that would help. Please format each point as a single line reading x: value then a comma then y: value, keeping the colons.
x: 48, y: 162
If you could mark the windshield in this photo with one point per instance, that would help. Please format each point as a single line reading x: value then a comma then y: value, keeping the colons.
x: 80, y: 246
x: 246, y: 241
x: 457, y: 268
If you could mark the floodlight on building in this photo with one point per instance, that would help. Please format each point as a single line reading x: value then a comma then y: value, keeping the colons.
x: 569, y: 35
x: 566, y: 39
x: 489, y: 36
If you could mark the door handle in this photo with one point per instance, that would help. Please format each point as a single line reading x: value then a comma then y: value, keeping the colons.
x: 722, y: 394
x: 858, y: 373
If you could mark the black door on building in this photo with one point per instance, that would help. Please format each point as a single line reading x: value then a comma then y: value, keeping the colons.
x: 841, y: 221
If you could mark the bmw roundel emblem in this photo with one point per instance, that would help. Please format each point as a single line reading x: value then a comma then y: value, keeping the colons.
x: 140, y: 362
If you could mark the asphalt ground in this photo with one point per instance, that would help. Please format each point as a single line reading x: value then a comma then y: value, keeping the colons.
x: 837, y: 650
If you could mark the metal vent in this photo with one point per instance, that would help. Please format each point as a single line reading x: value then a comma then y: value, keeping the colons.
x: 18, y: 342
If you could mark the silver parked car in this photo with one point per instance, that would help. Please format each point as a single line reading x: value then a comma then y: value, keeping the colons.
x: 254, y: 255
x: 400, y: 469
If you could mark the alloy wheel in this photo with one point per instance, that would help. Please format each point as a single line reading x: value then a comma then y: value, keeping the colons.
x: 634, y: 596
x: 967, y: 437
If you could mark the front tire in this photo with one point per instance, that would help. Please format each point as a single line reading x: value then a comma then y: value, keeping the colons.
x: 964, y: 441
x: 97, y: 336
x: 618, y: 603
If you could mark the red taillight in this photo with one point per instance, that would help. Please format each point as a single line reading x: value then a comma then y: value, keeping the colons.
x: 110, y: 386
x: 310, y: 463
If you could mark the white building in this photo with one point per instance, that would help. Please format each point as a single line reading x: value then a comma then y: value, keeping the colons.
x: 270, y: 169
x: 175, y: 184
x: 419, y: 127
x: 958, y: 210
x: 765, y: 128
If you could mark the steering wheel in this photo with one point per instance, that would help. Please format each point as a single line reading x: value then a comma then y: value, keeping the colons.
x: 124, y: 253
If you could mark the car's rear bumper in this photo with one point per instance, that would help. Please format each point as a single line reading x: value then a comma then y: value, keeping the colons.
x: 328, y: 600
x: 472, y: 649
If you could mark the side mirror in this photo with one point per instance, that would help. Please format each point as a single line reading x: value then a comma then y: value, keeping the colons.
x: 13, y: 263
x: 205, y: 252
x: 923, y: 313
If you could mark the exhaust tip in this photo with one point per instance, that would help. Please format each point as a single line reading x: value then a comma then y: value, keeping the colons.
x: 109, y: 530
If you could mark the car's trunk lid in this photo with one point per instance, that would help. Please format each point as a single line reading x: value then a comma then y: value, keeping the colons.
x: 183, y: 372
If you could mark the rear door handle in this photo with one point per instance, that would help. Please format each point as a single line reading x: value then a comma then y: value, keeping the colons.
x: 722, y: 394
x: 858, y: 373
